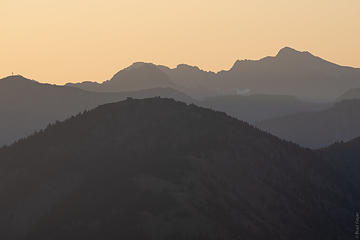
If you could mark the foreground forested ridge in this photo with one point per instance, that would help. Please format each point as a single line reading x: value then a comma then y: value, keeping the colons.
x: 161, y: 169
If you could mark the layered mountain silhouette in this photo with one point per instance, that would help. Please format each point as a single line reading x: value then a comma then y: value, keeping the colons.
x: 290, y: 72
x: 318, y: 129
x: 257, y: 107
x: 140, y: 75
x: 26, y: 105
x: 160, y: 169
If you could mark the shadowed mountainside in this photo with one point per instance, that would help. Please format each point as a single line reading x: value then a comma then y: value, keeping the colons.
x: 255, y: 108
x: 26, y: 105
x: 346, y: 158
x: 350, y: 94
x: 162, y: 169
x: 290, y: 72
x: 318, y: 129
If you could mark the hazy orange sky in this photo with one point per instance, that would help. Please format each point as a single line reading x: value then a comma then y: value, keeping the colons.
x: 60, y: 41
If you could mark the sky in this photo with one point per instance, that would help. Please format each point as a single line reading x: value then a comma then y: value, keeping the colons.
x: 90, y: 40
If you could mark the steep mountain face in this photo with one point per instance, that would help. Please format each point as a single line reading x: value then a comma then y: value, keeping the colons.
x: 160, y: 169
x: 253, y: 108
x: 26, y: 105
x: 318, y: 129
x: 290, y: 72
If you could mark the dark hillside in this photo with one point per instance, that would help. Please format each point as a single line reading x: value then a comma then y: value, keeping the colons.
x: 161, y: 169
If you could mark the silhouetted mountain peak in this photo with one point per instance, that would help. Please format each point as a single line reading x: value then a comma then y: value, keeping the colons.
x: 239, y: 63
x: 139, y: 75
x: 284, y: 53
x: 187, y: 67
x: 137, y: 65
x: 138, y: 68
x: 15, y: 78
x: 290, y: 52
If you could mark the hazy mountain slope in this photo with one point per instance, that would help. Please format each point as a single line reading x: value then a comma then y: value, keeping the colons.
x: 292, y: 72
x: 254, y: 108
x: 351, y: 94
x: 26, y: 105
x: 193, y: 80
x: 160, y: 169
x: 318, y: 129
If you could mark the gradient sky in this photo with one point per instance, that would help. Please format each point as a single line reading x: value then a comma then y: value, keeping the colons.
x: 60, y: 41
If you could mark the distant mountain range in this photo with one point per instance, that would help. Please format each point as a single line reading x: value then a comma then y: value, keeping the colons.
x: 246, y: 91
x: 290, y: 72
x: 190, y: 80
x: 160, y: 169
x: 27, y: 106
x: 318, y: 129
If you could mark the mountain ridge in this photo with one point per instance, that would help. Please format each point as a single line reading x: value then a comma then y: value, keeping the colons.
x: 290, y: 72
x: 27, y: 105
x: 181, y: 171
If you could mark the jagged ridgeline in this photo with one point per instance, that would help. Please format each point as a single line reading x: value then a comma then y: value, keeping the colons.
x: 160, y: 169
